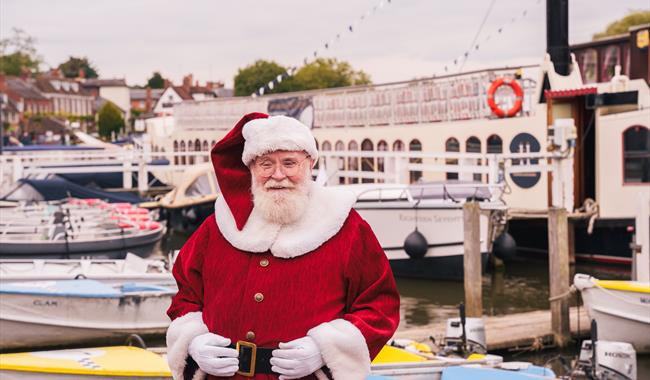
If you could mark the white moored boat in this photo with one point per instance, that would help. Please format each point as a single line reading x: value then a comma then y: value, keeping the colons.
x: 43, y: 313
x: 621, y: 309
x: 131, y: 269
x: 101, y: 363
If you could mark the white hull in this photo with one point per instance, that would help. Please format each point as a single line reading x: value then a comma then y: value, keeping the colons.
x: 622, y: 316
x: 41, y: 320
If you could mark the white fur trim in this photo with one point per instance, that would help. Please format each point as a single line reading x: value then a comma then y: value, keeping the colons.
x: 327, y: 211
x: 179, y: 336
x: 276, y: 133
x: 344, y: 349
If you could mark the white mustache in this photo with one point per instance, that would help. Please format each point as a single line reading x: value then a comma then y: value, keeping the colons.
x: 283, y: 184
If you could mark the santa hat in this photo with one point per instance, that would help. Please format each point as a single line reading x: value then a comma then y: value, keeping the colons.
x: 255, y: 134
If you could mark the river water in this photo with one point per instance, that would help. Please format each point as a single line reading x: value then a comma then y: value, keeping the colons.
x: 522, y: 286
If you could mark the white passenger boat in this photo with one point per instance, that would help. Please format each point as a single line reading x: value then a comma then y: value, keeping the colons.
x: 436, y: 210
x: 44, y: 313
x: 101, y: 363
x: 621, y: 309
x: 118, y: 271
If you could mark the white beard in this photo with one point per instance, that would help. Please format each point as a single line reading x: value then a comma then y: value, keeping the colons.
x: 284, y: 206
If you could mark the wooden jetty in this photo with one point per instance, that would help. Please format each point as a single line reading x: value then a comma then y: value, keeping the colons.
x: 521, y: 331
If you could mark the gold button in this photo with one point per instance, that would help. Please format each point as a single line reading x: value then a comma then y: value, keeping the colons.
x: 250, y: 336
x: 264, y: 262
x: 259, y: 297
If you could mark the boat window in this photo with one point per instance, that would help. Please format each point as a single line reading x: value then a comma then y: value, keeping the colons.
x: 636, y: 155
x: 339, y: 146
x: 473, y: 145
x: 611, y: 57
x: 353, y: 162
x: 182, y: 150
x: 494, y: 144
x: 382, y: 146
x: 190, y: 148
x: 415, y: 146
x: 367, y: 163
x: 206, y: 148
x: 326, y: 146
x: 452, y: 145
x: 175, y: 151
x: 200, y: 187
x: 588, y: 61
x: 398, y: 146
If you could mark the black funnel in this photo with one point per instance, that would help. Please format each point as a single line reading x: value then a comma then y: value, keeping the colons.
x: 557, y: 34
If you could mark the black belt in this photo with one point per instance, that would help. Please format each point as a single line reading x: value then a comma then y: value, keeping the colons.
x: 253, y: 359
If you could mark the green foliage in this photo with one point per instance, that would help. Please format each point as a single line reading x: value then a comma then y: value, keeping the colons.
x: 156, y: 81
x: 322, y: 73
x: 621, y: 26
x: 74, y: 65
x: 109, y: 120
x: 328, y: 73
x: 249, y: 79
x: 18, y: 55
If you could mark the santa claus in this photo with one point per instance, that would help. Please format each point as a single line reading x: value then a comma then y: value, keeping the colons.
x: 285, y: 280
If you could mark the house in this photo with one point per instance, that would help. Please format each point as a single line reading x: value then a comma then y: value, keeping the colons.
x: 114, y: 90
x: 143, y: 99
x: 25, y: 96
x: 188, y: 91
x: 67, y: 96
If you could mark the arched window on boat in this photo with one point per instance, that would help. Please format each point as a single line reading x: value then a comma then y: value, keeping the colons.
x: 588, y: 62
x: 326, y: 146
x: 182, y: 149
x: 636, y: 155
x: 367, y: 163
x: 382, y: 146
x: 398, y: 146
x: 206, y: 148
x: 340, y: 147
x: 190, y: 150
x: 610, y: 57
x: 494, y: 144
x: 452, y: 146
x: 415, y: 146
x: 197, y: 148
x: 353, y: 162
x: 175, y: 152
x: 212, y: 144
x: 473, y: 145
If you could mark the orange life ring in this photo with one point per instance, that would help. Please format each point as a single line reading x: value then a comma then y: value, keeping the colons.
x: 518, y: 101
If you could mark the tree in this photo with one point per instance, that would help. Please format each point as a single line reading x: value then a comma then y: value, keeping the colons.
x: 72, y: 67
x: 156, y: 81
x: 249, y: 79
x: 328, y: 73
x: 110, y: 120
x: 18, y: 54
x: 621, y: 26
x: 322, y: 73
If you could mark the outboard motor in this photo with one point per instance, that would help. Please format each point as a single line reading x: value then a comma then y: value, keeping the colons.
x: 464, y: 336
x: 605, y: 360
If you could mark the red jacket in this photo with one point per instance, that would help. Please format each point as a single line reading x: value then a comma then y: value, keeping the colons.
x: 346, y: 278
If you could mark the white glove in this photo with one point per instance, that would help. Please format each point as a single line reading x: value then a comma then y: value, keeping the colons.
x: 296, y: 359
x: 211, y: 353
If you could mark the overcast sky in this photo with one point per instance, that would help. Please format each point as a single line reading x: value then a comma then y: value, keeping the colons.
x: 213, y: 38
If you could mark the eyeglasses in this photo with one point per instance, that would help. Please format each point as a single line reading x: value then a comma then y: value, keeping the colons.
x: 289, y: 166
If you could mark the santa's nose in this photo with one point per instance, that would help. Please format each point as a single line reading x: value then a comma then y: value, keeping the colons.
x: 278, y: 174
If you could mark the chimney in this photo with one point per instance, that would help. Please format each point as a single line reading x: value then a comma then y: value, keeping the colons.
x: 557, y: 34
x: 187, y: 82
x: 82, y: 74
x: 147, y: 101
x: 167, y: 83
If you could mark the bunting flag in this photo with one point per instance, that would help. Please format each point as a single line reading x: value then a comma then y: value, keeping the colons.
x: 351, y: 28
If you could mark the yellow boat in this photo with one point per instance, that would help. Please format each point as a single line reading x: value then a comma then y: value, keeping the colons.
x: 101, y: 363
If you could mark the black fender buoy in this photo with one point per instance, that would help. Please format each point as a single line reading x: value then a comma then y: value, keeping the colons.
x: 505, y: 247
x: 416, y: 245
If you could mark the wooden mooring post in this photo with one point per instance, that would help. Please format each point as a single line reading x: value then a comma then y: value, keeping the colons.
x: 558, y: 266
x: 472, y: 260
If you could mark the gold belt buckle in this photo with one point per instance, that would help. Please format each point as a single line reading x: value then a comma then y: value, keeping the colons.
x: 253, y: 347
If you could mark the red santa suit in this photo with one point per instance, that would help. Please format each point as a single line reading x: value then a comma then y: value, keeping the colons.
x: 247, y: 279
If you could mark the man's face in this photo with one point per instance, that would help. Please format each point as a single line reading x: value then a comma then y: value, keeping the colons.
x: 281, y: 168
